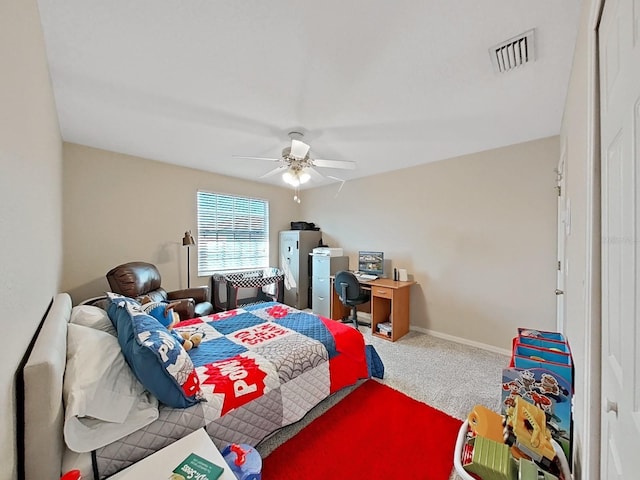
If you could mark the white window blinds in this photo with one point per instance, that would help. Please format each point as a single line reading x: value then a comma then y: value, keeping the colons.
x: 233, y: 233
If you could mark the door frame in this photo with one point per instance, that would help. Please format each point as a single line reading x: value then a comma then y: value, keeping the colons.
x: 563, y: 220
x: 593, y: 293
x: 589, y: 403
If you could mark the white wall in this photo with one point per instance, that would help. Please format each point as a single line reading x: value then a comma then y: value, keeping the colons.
x: 579, y: 138
x: 477, y: 232
x: 30, y: 199
x: 119, y: 208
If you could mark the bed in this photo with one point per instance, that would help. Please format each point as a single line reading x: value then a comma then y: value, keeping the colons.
x: 257, y: 369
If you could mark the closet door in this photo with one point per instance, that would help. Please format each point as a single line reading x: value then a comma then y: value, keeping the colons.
x: 620, y: 147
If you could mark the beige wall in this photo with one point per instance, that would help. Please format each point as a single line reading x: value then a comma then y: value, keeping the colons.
x: 30, y: 199
x: 582, y: 320
x: 119, y: 208
x: 476, y: 232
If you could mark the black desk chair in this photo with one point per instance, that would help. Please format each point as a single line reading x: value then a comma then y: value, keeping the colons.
x: 351, y: 294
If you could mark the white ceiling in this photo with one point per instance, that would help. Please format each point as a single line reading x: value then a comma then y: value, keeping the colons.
x: 387, y: 84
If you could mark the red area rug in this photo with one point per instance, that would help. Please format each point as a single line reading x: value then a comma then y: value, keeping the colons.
x: 375, y: 432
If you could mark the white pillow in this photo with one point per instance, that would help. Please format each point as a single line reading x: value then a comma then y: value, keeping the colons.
x: 93, y: 317
x: 103, y: 399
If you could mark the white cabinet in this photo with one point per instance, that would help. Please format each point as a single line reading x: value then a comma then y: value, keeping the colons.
x: 295, y: 247
x: 323, y: 267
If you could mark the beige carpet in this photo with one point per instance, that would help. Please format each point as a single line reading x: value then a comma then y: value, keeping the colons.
x: 446, y: 375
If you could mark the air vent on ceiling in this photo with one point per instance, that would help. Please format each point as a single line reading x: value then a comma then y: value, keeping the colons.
x: 513, y: 53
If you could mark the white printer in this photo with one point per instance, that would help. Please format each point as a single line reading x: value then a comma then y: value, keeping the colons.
x: 328, y: 251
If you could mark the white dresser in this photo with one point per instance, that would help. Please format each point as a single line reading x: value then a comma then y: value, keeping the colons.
x: 322, y: 267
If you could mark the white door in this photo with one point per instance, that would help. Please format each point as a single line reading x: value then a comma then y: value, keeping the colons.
x: 619, y: 55
x: 289, y: 264
x: 563, y: 232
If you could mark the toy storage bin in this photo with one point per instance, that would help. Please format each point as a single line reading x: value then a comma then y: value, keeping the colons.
x: 464, y: 475
x: 541, y: 370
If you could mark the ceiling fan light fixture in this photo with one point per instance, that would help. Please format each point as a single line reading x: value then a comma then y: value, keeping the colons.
x: 295, y: 177
x: 291, y: 178
x: 304, y: 177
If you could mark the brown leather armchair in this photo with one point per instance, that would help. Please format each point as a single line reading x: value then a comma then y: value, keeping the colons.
x: 139, y: 279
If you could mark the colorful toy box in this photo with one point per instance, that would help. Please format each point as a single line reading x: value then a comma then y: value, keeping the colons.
x: 541, y: 372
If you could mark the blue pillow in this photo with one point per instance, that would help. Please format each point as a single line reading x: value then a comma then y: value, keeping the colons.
x: 157, y: 359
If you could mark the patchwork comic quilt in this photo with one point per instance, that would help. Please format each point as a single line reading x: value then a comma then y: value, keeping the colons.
x: 260, y: 368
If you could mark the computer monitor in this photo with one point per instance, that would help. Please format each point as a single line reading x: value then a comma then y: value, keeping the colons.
x: 371, y: 262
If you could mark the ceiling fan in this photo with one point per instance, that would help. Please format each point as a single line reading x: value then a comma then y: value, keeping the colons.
x: 296, y: 166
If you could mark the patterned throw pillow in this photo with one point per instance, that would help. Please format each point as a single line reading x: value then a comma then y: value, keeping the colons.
x: 157, y: 359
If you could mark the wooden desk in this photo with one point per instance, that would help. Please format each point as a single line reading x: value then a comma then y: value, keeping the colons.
x: 389, y: 302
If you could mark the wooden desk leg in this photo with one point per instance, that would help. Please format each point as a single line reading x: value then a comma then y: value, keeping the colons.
x: 400, y: 314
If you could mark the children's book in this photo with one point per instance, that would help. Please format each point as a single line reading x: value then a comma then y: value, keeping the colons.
x: 194, y: 467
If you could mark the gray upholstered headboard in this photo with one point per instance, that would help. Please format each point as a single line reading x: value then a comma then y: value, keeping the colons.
x: 39, y: 392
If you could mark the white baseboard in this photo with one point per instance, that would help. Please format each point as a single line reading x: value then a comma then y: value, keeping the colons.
x: 490, y: 348
x: 463, y: 341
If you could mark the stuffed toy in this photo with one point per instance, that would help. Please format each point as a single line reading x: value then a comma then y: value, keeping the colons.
x: 165, y: 314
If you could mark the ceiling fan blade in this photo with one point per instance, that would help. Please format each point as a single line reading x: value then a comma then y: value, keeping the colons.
x: 299, y: 149
x: 273, y: 172
x: 257, y: 158
x: 343, y: 164
x: 315, y: 175
x: 341, y: 184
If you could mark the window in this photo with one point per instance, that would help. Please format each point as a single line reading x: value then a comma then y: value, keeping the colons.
x: 233, y: 233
